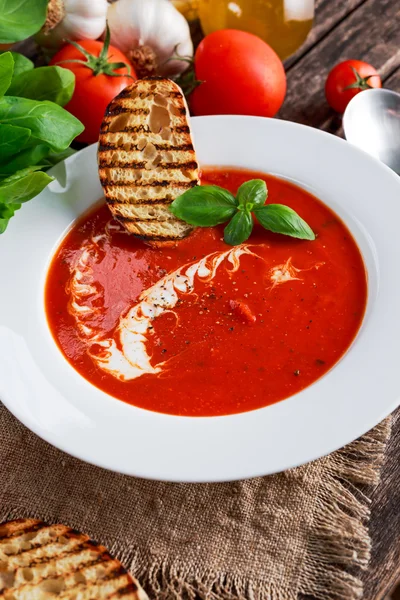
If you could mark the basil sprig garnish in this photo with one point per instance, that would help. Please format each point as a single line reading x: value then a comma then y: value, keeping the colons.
x: 209, y: 205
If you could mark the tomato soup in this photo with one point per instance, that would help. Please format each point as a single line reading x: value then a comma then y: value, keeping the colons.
x: 202, y: 328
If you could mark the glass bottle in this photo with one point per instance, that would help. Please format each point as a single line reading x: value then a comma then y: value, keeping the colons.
x: 283, y: 24
x: 189, y: 8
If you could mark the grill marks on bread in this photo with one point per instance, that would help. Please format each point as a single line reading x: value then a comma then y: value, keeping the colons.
x: 56, y: 562
x: 146, y: 158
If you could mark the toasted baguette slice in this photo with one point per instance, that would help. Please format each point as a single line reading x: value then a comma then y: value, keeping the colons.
x: 39, y: 562
x: 146, y: 158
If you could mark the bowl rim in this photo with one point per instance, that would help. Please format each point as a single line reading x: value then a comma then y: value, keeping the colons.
x: 309, y: 428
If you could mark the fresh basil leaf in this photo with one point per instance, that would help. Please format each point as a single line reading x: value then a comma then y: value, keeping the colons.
x: 239, y: 228
x: 282, y: 219
x: 21, y: 64
x: 8, y: 210
x: 47, y: 121
x: 3, y: 225
x: 19, y: 19
x: 6, y: 71
x: 204, y: 206
x: 12, y: 139
x: 19, y: 188
x: 23, y: 172
x: 23, y: 186
x: 55, y: 157
x: 44, y: 83
x: 252, y: 193
x: 30, y: 156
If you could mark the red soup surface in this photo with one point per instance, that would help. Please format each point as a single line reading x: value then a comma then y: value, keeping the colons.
x: 203, y: 328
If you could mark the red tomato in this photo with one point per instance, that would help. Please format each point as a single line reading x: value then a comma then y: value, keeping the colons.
x: 93, y: 93
x: 241, y: 75
x: 354, y: 73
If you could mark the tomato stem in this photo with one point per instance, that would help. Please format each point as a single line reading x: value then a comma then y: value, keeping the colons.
x: 361, y: 83
x: 99, y: 64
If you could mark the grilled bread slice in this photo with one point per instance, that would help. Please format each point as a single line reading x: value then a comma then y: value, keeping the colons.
x: 146, y: 158
x: 40, y: 562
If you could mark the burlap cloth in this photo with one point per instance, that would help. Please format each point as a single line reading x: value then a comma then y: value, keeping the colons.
x: 276, y: 538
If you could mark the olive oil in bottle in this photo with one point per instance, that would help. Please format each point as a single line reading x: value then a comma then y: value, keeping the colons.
x: 283, y: 24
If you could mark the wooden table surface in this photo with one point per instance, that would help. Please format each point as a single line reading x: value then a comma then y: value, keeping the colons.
x: 367, y: 30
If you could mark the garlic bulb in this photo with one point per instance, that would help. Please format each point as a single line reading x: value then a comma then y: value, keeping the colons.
x: 73, y: 20
x: 150, y: 32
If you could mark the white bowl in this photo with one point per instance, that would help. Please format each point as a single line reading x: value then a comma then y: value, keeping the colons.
x: 44, y: 391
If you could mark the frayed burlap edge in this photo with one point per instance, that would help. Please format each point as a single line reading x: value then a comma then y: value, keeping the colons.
x: 338, y: 544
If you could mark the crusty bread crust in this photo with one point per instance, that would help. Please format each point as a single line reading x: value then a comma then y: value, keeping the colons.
x: 146, y: 158
x: 40, y: 561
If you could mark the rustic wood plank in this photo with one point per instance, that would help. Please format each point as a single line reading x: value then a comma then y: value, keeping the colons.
x: 396, y: 594
x: 371, y: 33
x: 384, y: 570
x: 328, y: 15
x: 393, y: 82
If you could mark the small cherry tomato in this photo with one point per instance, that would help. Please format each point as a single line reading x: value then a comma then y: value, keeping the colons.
x: 97, y: 80
x: 348, y: 79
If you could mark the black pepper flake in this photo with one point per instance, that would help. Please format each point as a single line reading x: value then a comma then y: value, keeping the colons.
x: 187, y: 342
x: 319, y: 361
x: 230, y: 328
x: 307, y: 327
x: 163, y: 351
x: 297, y: 373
